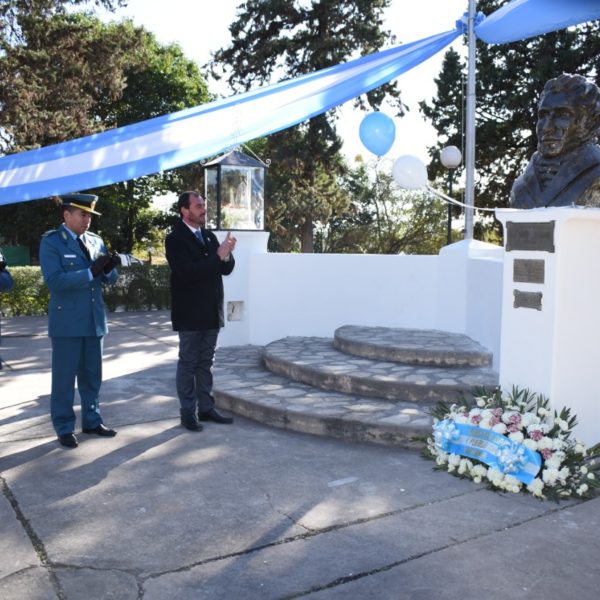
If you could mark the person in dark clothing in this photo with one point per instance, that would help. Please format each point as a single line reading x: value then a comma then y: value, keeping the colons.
x: 198, y: 262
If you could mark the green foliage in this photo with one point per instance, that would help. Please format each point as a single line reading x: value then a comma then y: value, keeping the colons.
x: 275, y: 39
x: 139, y: 287
x: 509, y: 80
x: 66, y: 75
x: 382, y: 219
x: 29, y: 295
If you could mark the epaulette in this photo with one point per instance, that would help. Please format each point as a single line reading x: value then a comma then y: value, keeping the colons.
x: 92, y: 234
x: 49, y: 232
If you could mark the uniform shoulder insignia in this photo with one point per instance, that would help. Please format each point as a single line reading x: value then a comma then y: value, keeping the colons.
x: 50, y: 232
x: 92, y: 234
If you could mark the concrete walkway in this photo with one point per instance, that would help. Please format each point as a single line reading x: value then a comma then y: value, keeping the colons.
x: 247, y: 511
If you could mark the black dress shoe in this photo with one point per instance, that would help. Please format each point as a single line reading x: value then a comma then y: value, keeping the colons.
x: 191, y: 423
x: 213, y: 415
x: 69, y: 440
x: 102, y: 431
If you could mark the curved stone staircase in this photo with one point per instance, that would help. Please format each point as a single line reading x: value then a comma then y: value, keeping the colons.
x: 367, y: 384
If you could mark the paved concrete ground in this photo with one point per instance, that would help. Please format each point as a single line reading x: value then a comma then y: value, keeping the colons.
x: 246, y: 511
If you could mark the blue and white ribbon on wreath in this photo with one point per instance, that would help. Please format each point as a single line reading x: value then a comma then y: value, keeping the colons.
x: 493, y: 449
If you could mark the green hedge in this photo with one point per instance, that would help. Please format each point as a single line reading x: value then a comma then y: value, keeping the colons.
x: 139, y: 287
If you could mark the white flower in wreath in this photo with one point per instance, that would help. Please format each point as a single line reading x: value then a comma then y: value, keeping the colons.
x: 516, y: 436
x: 495, y: 476
x: 545, y: 443
x: 529, y: 419
x: 554, y: 461
x: 464, y: 466
x: 564, y: 474
x: 453, y: 461
x: 564, y: 426
x: 591, y: 476
x: 461, y: 418
x: 583, y: 470
x: 481, y: 401
x: 550, y: 476
x: 543, y: 412
x: 512, y: 484
x: 536, y: 487
x: 557, y: 444
x: 531, y: 444
x: 582, y: 489
x: 580, y: 449
x: 499, y: 428
x: 506, y: 417
x: 485, y: 424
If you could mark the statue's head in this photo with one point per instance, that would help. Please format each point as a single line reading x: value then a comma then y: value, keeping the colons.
x: 568, y: 115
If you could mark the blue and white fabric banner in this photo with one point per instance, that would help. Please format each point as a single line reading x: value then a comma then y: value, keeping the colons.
x: 206, y: 130
x: 190, y: 135
x: 522, y: 19
x: 493, y: 449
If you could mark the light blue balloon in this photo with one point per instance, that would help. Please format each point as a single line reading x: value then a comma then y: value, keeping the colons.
x: 377, y: 133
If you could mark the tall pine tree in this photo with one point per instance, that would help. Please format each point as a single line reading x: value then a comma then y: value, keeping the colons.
x: 509, y: 80
x: 278, y: 39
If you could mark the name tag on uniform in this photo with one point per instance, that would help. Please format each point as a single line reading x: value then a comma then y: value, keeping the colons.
x: 70, y: 255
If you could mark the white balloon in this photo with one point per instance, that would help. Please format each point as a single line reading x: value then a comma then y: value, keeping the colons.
x: 409, y: 172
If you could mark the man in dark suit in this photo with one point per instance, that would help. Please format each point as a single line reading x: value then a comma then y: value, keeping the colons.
x: 198, y: 263
x: 565, y: 170
x: 74, y: 264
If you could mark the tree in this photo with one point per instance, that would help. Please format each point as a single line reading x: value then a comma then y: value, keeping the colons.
x: 276, y: 39
x: 383, y: 219
x: 140, y: 80
x: 510, y: 78
x: 167, y: 82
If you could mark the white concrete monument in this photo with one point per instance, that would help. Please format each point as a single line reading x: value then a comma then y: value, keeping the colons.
x: 550, y: 334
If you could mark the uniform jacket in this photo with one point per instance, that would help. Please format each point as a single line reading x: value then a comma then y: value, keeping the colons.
x: 196, y: 279
x: 578, y: 172
x: 76, y: 306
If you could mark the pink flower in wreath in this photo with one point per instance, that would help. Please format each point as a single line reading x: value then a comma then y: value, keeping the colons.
x: 475, y: 419
x: 546, y: 453
x: 536, y: 435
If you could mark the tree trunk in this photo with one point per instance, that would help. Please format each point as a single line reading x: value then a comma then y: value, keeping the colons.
x: 306, y: 240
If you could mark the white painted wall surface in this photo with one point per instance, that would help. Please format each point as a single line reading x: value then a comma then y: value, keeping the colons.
x: 312, y: 294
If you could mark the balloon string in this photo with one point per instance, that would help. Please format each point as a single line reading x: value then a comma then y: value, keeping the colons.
x: 453, y: 201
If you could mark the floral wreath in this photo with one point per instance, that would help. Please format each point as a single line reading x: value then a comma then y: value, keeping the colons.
x: 534, y: 449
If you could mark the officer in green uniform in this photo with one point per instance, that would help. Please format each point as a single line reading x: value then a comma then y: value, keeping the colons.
x: 75, y: 264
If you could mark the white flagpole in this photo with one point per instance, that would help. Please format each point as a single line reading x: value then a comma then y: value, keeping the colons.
x: 470, y: 125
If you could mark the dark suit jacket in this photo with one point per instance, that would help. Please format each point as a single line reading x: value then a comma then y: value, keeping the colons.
x: 577, y: 173
x: 196, y: 280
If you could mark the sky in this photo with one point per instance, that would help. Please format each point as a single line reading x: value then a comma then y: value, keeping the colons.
x: 202, y: 27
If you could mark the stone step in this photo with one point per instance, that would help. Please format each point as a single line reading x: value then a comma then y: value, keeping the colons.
x: 245, y: 387
x: 412, y: 346
x: 316, y: 362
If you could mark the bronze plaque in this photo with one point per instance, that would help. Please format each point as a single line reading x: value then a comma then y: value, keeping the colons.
x: 527, y: 300
x: 530, y: 236
x: 528, y: 270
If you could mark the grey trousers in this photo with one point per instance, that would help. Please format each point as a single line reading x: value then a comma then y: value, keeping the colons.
x: 194, y: 371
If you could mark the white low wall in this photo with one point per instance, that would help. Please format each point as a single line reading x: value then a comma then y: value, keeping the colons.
x: 278, y: 295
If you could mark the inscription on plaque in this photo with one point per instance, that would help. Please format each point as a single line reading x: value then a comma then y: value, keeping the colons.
x: 527, y: 300
x: 530, y: 236
x: 528, y: 270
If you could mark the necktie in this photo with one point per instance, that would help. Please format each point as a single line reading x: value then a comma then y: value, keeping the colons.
x: 198, y: 234
x: 83, y: 247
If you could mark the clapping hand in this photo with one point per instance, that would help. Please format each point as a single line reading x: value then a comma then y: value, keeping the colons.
x: 115, y: 261
x: 100, y: 264
x: 226, y: 247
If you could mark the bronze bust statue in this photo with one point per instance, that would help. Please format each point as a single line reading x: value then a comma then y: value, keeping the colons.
x: 565, y: 170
